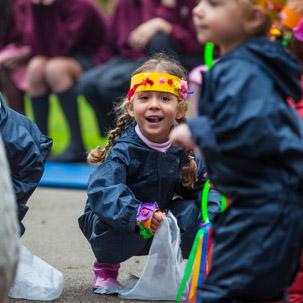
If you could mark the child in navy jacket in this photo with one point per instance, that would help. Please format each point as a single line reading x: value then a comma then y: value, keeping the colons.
x: 143, y: 168
x: 27, y: 150
x: 252, y: 143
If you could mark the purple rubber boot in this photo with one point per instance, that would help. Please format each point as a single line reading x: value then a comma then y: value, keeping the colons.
x: 105, y: 281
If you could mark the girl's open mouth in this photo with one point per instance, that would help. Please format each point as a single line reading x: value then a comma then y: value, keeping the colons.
x: 153, y: 119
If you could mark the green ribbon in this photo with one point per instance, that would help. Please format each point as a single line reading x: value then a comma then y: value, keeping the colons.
x: 204, y: 202
x: 190, y: 263
x: 191, y: 259
x: 209, y: 55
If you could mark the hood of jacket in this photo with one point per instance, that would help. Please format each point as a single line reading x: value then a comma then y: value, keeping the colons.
x: 282, y: 66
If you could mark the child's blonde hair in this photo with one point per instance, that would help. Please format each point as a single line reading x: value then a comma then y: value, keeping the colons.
x: 167, y: 65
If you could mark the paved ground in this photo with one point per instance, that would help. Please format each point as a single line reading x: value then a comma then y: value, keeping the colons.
x: 52, y: 233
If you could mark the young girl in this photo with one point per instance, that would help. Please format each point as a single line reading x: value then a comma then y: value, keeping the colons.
x: 143, y: 175
x: 252, y: 143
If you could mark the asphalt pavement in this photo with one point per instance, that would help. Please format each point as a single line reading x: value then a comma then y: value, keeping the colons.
x: 52, y: 234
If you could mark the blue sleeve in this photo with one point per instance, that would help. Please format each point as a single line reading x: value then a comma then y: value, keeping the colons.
x: 27, y: 150
x: 110, y: 198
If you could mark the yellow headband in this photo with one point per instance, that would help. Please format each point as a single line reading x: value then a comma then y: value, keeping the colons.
x: 158, y: 82
x: 272, y: 7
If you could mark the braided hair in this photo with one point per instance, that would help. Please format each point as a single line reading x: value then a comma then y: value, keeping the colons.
x: 188, y: 173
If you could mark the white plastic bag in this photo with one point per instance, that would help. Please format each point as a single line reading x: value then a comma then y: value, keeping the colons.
x: 164, y: 268
x: 36, y: 279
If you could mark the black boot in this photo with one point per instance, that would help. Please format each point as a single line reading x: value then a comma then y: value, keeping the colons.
x: 76, y: 151
x: 41, y: 108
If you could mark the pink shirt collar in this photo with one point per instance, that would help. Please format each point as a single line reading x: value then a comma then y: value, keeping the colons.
x: 161, y: 147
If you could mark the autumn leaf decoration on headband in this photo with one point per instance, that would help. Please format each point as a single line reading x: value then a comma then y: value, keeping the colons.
x: 134, y: 88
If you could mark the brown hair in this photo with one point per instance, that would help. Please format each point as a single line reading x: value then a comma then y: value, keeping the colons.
x: 167, y: 65
x: 295, y: 46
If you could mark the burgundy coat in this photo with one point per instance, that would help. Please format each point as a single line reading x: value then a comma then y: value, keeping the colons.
x: 66, y: 26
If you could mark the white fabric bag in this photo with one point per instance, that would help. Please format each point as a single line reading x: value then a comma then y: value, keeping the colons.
x: 36, y: 279
x: 164, y: 268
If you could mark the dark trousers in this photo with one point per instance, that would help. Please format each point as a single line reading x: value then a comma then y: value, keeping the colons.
x: 113, y: 246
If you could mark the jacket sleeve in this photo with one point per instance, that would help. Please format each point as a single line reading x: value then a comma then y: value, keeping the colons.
x: 244, y: 119
x: 110, y: 198
x: 27, y: 149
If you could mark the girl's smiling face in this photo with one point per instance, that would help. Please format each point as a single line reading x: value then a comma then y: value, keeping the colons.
x: 221, y: 22
x: 155, y: 112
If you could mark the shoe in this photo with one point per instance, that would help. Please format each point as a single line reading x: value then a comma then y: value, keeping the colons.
x: 105, y: 281
x: 71, y: 154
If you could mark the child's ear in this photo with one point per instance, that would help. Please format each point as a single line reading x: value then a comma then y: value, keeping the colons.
x: 182, y: 109
x: 255, y: 19
x: 130, y: 109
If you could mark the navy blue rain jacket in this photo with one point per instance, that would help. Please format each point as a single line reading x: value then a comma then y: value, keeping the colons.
x: 134, y: 174
x: 252, y: 143
x: 27, y: 149
x: 252, y: 140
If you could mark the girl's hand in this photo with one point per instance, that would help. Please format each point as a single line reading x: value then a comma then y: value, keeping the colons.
x: 181, y: 136
x: 156, y: 220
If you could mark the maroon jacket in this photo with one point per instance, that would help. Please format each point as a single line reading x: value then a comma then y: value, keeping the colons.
x: 66, y: 26
x: 181, y: 18
x: 128, y: 15
x: 19, y: 25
